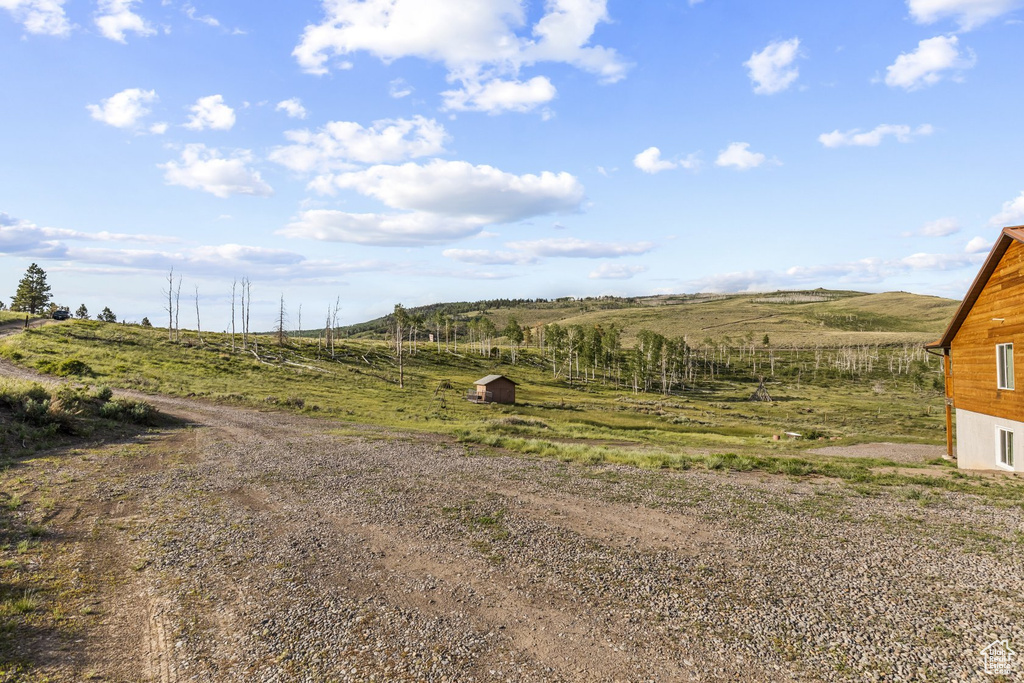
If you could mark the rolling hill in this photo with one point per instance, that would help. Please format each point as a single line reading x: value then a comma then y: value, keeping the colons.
x: 791, y: 319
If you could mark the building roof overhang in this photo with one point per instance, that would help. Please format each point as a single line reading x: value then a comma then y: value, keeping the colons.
x: 1006, y: 238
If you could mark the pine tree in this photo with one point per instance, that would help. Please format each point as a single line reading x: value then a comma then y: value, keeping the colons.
x: 82, y: 313
x: 107, y: 315
x: 33, y: 293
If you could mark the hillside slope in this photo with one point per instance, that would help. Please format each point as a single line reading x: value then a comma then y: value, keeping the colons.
x: 792, y: 319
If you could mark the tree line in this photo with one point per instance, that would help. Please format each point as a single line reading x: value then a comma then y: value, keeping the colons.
x: 34, y: 296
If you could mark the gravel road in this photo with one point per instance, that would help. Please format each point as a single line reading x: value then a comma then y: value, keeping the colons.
x: 252, y: 546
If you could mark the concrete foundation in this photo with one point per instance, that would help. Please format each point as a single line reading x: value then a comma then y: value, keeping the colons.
x: 977, y: 441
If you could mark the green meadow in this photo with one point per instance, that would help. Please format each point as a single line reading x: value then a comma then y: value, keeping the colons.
x: 841, y: 369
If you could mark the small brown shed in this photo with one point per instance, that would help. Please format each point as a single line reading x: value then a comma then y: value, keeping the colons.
x: 493, y: 389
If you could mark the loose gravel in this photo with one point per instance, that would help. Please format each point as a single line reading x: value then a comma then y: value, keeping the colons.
x: 269, y: 549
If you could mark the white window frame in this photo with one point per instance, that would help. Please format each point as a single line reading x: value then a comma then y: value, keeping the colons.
x: 1004, y: 460
x: 1004, y: 366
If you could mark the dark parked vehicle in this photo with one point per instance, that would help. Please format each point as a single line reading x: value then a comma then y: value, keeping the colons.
x: 61, y: 314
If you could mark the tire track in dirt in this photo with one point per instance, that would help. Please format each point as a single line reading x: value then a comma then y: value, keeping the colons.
x: 159, y: 664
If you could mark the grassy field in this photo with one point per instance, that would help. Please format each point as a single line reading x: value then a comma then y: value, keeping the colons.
x: 894, y: 396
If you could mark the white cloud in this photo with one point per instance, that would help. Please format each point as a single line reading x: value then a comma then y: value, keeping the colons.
x: 292, y: 107
x: 739, y: 156
x: 928, y: 64
x: 211, y: 112
x: 27, y: 239
x: 159, y: 128
x: 978, y: 245
x: 933, y: 262
x: 438, y: 202
x: 478, y: 42
x: 24, y: 237
x: 531, y: 251
x: 616, y: 271
x: 650, y: 161
x: 572, y: 247
x: 42, y: 17
x: 740, y: 281
x: 772, y: 68
x: 398, y: 88
x: 192, y: 13
x: 114, y: 18
x: 870, y: 270
x: 1012, y: 213
x: 968, y: 13
x: 458, y: 188
x: 941, y: 227
x: 203, y: 168
x: 873, y: 138
x: 123, y: 109
x: 875, y: 269
x: 339, y: 144
x: 486, y: 257
x: 391, y: 230
x: 497, y: 95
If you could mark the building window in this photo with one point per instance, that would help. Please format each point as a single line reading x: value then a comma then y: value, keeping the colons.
x: 1004, y: 363
x: 1005, y: 445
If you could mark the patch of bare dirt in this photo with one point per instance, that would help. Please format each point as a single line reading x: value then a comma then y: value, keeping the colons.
x: 897, y: 452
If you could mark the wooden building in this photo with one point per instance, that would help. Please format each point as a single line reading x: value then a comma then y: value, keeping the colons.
x: 493, y: 389
x: 978, y: 362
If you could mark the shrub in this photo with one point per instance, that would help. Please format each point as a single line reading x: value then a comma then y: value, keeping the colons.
x: 14, y: 396
x: 127, y: 410
x: 70, y: 366
x: 71, y: 399
x: 36, y: 412
x: 73, y: 366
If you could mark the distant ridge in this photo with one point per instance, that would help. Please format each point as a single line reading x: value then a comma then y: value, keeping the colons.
x: 789, y: 317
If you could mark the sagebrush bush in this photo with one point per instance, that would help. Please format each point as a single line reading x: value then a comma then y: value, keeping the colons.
x: 65, y: 368
x: 127, y: 410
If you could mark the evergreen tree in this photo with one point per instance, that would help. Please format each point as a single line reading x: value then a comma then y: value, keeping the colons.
x: 33, y: 293
x: 82, y: 313
x: 107, y: 315
x: 145, y: 323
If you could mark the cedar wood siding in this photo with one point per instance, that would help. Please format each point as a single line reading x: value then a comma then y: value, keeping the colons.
x: 973, y: 349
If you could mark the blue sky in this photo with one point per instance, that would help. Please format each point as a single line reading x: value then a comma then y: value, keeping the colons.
x: 413, y: 151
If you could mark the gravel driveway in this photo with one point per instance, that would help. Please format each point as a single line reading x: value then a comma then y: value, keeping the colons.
x: 249, y: 546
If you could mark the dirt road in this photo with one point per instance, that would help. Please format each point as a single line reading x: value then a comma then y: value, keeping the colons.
x: 250, y: 546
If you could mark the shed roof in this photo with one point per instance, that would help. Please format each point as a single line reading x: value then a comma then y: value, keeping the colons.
x: 1007, y: 237
x: 490, y: 378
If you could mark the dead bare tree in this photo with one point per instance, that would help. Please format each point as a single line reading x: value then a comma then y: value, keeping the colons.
x: 177, y: 310
x: 334, y: 322
x: 248, y: 311
x: 401, y: 319
x: 234, y: 284
x: 199, y: 328
x: 246, y: 296
x: 281, y: 322
x: 170, y: 304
